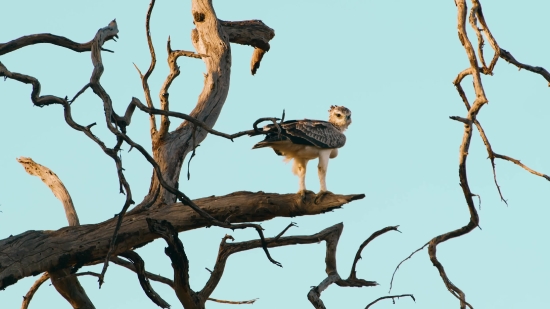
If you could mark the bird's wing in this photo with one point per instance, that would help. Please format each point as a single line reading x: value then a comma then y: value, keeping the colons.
x: 309, y: 132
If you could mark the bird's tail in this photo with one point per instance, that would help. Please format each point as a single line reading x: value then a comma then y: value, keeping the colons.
x: 261, y: 144
x: 269, y: 140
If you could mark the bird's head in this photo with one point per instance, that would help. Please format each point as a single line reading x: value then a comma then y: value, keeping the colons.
x: 340, y: 116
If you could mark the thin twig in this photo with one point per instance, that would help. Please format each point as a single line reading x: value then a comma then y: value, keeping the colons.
x: 231, y: 302
x: 398, y: 265
x: 392, y: 297
x: 517, y: 162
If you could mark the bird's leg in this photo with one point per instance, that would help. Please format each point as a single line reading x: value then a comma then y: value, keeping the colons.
x: 299, y: 168
x: 324, y: 156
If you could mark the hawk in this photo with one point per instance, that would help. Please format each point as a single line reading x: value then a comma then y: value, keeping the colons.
x: 304, y: 140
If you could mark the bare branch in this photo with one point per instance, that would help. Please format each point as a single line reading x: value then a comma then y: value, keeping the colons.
x: 149, y: 275
x: 55, y: 184
x: 110, y: 116
x: 136, y: 102
x: 88, y: 273
x: 28, y: 297
x: 329, y: 235
x: 139, y: 266
x: 180, y: 263
x: 69, y: 287
x: 45, y: 38
x: 407, y: 258
x: 393, y: 297
x: 231, y: 302
x: 63, y: 280
x: 190, y: 54
x: 515, y: 161
x: 170, y: 283
x: 83, y: 244
x: 463, y: 154
x: 504, y: 54
x: 461, y: 119
x: 353, y: 274
x: 145, y: 78
x: 163, y: 95
x: 250, y: 32
x: 79, y: 93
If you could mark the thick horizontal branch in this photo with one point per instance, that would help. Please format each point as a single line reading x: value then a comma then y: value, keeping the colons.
x: 34, y: 252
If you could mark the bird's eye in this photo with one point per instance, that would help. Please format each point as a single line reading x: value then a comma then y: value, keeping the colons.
x: 338, y: 115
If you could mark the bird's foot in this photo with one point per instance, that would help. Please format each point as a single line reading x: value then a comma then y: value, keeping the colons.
x: 319, y: 197
x: 303, y: 195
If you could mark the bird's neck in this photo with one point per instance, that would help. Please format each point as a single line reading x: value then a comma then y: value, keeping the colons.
x: 339, y: 127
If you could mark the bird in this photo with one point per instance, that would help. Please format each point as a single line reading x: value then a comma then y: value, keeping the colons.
x: 305, y: 140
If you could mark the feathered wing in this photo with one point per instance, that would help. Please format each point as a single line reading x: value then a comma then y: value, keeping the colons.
x: 317, y: 133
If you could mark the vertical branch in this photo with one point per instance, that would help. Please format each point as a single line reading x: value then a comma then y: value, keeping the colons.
x: 180, y: 263
x: 463, y: 155
x: 145, y: 78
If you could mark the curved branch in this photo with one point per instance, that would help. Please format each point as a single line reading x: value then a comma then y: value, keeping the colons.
x: 253, y: 33
x: 517, y: 162
x: 392, y: 297
x: 463, y: 155
x: 139, y: 266
x: 330, y: 235
x: 63, y: 280
x: 46, y: 38
x: 353, y: 273
x: 145, y: 78
x: 28, y: 297
x: 147, y: 274
x: 55, y: 184
x: 137, y: 103
x: 170, y: 283
x: 504, y: 54
x: 407, y: 258
x: 180, y: 263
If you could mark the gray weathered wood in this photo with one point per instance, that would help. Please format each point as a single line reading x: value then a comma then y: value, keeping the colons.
x: 34, y: 252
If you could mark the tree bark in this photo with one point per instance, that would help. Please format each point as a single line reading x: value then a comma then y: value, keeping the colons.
x: 33, y: 252
x: 170, y: 150
x: 63, y: 280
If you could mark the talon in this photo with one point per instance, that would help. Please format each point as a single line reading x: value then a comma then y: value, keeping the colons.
x: 303, y: 195
x: 320, y: 196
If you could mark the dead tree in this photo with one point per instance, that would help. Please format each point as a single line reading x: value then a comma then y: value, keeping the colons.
x: 166, y: 210
x: 62, y: 255
x: 478, y: 67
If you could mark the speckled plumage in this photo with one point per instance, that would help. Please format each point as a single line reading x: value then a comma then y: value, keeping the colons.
x: 304, y: 140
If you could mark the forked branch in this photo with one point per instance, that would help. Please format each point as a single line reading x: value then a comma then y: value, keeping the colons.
x: 476, y: 14
x: 139, y: 267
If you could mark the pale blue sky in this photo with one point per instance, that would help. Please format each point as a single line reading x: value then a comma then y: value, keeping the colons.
x: 391, y: 62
